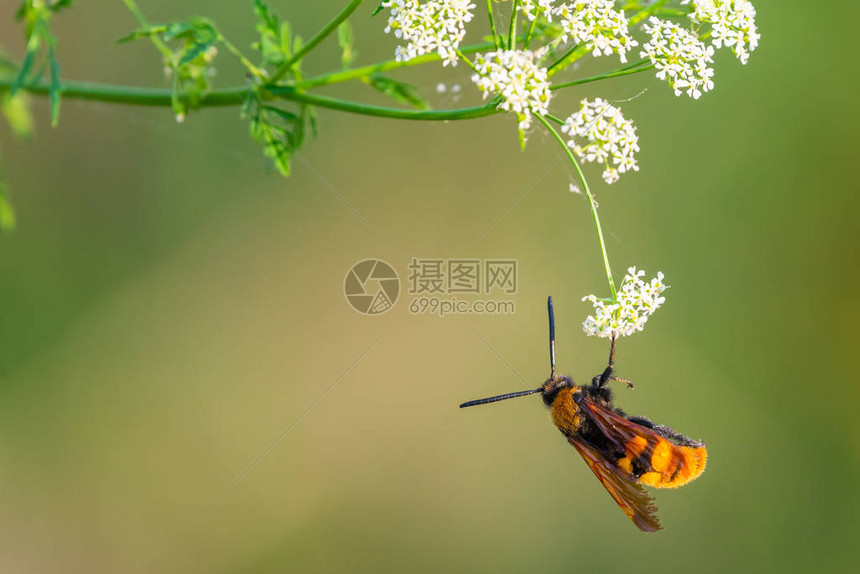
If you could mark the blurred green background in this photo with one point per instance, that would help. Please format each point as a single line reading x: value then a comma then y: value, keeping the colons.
x: 168, y: 306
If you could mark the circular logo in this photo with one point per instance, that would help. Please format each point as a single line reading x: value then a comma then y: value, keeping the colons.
x: 371, y: 287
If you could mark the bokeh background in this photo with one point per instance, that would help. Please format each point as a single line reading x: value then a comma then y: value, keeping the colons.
x: 169, y: 306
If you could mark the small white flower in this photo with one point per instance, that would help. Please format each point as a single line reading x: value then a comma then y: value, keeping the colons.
x: 534, y: 8
x: 732, y: 24
x: 441, y: 88
x: 596, y: 24
x: 680, y: 57
x: 514, y: 75
x: 598, y: 132
x: 637, y: 300
x: 435, y: 26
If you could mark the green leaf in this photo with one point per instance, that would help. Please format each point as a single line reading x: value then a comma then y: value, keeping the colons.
x: 313, y: 120
x: 346, y: 39
x: 293, y: 128
x: 276, y: 148
x: 399, y: 91
x: 55, y: 87
x: 7, y: 213
x: 189, y: 61
x: 275, y: 139
x: 297, y: 136
x: 59, y: 5
x: 378, y: 9
x: 285, y: 115
x: 196, y: 29
x: 16, y: 110
x: 275, y: 37
x: 179, y: 30
x: 146, y: 32
x: 193, y: 52
x: 269, y: 20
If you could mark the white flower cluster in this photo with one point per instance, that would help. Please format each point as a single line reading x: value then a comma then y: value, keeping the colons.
x: 637, y: 301
x: 680, y: 57
x: 596, y: 24
x: 435, y: 26
x: 534, y: 8
x: 600, y: 133
x: 514, y: 75
x: 732, y: 24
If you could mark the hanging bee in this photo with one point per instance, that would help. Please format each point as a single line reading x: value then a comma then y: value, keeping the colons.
x: 624, y: 452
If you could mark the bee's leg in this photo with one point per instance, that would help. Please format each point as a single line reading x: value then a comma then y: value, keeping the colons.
x: 606, y: 376
x: 600, y: 380
x: 608, y: 373
x: 620, y: 380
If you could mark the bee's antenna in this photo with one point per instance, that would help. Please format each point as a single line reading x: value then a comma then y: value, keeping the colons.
x: 500, y: 398
x: 551, y: 336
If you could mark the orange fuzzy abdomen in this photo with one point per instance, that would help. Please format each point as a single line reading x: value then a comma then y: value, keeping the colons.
x: 671, y: 465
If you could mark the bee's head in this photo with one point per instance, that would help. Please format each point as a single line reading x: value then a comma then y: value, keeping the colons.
x: 553, y: 385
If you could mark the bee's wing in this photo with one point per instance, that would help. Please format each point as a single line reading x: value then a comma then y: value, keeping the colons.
x: 630, y: 497
x: 664, y: 458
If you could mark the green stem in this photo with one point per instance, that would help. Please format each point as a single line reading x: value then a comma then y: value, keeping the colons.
x: 563, y: 58
x: 635, y: 64
x: 233, y: 97
x: 612, y: 74
x: 127, y: 94
x: 468, y: 61
x: 358, y: 73
x: 588, y: 194
x: 512, y: 33
x: 320, y: 36
x: 492, y: 23
x: 288, y: 93
x: 529, y: 33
